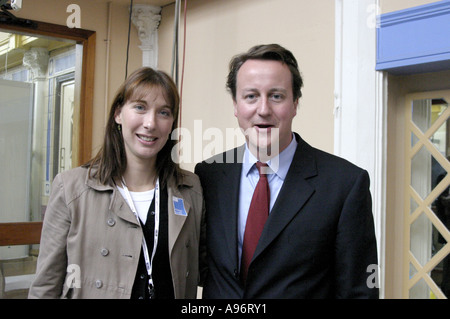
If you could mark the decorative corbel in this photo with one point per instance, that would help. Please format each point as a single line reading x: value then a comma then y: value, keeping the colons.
x: 146, y: 19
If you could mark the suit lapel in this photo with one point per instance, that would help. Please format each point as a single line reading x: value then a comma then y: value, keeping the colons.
x: 293, y: 195
x: 229, y: 209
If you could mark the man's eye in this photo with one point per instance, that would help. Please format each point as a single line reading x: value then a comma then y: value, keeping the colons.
x: 277, y: 97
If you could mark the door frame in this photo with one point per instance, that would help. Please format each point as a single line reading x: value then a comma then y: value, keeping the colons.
x: 25, y: 233
x: 424, y: 205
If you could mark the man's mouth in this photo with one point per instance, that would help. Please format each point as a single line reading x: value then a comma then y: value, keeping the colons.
x: 264, y: 126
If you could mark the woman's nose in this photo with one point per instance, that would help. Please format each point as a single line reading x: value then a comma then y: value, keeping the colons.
x: 149, y: 121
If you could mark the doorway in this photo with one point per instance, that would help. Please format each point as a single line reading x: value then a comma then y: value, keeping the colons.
x: 427, y: 197
x: 46, y: 79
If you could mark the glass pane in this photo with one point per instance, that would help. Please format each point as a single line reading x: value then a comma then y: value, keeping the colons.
x: 439, y: 138
x: 441, y: 273
x: 421, y: 172
x: 16, y: 111
x: 420, y: 242
x: 438, y: 107
x: 426, y: 172
x: 36, y: 119
x: 441, y: 208
x: 420, y: 290
x: 413, y: 205
x: 412, y: 270
x: 425, y: 112
x: 421, y: 111
x: 414, y: 139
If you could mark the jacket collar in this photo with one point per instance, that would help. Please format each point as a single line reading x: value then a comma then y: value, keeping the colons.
x: 123, y: 211
x: 94, y: 183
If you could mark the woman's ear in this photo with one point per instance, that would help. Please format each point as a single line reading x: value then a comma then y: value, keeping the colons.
x: 117, y: 116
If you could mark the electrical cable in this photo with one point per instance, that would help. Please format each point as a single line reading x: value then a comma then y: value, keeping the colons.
x: 183, y: 60
x: 174, y: 71
x: 175, y: 56
x: 128, y: 41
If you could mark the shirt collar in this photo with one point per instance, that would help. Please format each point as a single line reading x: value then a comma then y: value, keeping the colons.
x: 279, y: 164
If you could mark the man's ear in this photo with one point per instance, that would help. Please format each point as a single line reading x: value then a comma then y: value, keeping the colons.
x: 296, y: 106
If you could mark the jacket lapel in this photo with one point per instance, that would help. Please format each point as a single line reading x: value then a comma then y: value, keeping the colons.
x: 293, y: 195
x: 118, y: 204
x: 176, y: 217
x: 121, y: 208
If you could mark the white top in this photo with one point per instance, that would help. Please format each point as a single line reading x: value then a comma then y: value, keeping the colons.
x: 141, y: 200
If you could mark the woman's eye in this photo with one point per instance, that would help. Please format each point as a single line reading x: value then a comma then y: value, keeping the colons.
x: 166, y: 112
x: 139, y: 107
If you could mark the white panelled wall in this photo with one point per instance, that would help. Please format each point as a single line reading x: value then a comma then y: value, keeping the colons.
x: 359, y: 131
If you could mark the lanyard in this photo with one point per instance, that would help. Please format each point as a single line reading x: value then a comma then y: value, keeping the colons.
x: 148, y: 261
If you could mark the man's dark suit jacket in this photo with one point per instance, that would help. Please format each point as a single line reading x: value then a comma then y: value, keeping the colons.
x: 319, y: 238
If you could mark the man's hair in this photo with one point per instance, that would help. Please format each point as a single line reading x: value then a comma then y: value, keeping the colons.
x: 271, y: 52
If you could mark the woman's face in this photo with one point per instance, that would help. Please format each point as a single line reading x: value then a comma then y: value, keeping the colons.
x: 146, y: 122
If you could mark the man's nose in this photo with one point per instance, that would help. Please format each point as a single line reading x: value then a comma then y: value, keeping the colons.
x: 264, y: 108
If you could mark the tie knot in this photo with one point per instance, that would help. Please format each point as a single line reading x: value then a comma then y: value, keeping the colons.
x: 262, y: 168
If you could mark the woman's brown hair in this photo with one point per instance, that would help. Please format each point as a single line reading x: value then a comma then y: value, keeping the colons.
x: 110, y: 162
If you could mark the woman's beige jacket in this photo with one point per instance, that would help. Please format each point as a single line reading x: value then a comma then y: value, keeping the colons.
x: 91, y: 240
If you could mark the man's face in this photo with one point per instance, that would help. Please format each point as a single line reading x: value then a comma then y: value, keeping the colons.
x: 264, y: 105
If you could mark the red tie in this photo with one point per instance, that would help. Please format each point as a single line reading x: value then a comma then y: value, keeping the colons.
x: 257, y: 216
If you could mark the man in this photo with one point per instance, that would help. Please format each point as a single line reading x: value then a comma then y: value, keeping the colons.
x: 317, y: 240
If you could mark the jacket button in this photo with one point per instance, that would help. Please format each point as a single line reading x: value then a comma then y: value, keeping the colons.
x: 104, y: 252
x: 98, y: 284
x: 111, y: 222
x: 187, y: 273
x: 236, y: 273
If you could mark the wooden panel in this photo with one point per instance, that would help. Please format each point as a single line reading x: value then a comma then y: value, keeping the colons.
x: 20, y: 233
x: 86, y: 100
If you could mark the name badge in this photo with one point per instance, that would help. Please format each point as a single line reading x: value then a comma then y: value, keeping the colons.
x: 178, y: 206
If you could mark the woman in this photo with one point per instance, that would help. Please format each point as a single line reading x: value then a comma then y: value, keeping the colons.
x: 127, y: 224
